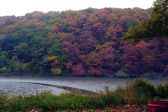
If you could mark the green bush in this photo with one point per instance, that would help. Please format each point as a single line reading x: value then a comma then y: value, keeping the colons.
x: 162, y: 91
x: 140, y: 91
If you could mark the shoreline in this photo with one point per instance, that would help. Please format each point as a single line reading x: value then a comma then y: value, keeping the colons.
x: 75, y: 76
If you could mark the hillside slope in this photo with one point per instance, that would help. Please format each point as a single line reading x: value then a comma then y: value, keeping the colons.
x: 79, y: 43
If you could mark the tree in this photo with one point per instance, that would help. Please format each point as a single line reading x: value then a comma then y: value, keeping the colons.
x: 83, y: 42
x: 56, y: 71
x: 79, y: 69
x: 156, y: 26
x: 22, y: 51
x: 4, y: 61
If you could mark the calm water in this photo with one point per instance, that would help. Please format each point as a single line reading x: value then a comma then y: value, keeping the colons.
x: 22, y: 86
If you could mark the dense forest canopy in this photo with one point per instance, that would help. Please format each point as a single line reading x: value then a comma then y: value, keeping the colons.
x: 79, y: 42
x: 156, y: 26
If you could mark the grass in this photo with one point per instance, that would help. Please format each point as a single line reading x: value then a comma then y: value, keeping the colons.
x: 137, y: 92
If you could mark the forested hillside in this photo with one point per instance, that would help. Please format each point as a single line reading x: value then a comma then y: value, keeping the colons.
x: 85, y: 42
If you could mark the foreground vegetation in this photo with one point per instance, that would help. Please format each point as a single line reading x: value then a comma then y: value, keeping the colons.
x: 137, y: 92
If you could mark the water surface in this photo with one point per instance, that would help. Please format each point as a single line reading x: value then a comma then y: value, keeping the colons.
x: 23, y: 86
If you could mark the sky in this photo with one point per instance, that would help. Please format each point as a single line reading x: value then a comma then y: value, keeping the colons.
x: 21, y: 7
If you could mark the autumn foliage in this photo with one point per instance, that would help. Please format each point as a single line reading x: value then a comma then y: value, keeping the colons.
x: 79, y: 42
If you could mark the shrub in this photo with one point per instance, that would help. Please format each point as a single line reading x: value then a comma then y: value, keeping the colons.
x: 139, y: 91
x: 162, y: 91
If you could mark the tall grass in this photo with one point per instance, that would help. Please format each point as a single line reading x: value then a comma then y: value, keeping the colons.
x: 113, y: 98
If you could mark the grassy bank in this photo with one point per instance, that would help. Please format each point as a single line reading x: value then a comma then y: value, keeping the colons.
x: 137, y: 92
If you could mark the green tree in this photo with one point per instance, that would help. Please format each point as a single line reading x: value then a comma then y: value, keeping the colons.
x: 56, y: 71
x: 22, y: 51
x: 156, y: 26
x: 4, y: 61
x: 56, y: 49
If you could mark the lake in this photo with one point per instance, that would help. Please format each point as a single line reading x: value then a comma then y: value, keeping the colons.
x: 26, y: 85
